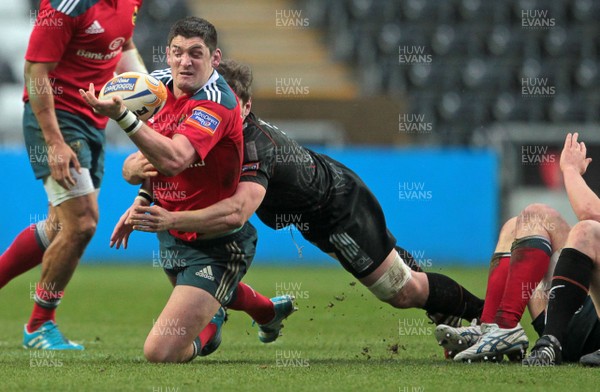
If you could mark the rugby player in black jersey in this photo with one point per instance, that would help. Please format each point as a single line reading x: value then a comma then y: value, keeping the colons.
x: 339, y: 214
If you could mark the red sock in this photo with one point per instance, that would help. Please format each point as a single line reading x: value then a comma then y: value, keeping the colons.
x: 44, y: 308
x: 22, y: 255
x: 495, y: 286
x: 207, y: 333
x: 528, y: 264
x: 259, y: 307
x: 39, y: 316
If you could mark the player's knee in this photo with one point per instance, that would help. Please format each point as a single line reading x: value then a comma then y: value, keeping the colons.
x: 539, y: 212
x: 156, y: 353
x: 508, y: 229
x: 584, y: 236
x: 81, y: 229
x: 394, y: 286
x: 85, y: 231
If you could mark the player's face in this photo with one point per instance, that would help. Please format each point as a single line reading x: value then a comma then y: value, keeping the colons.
x: 191, y: 63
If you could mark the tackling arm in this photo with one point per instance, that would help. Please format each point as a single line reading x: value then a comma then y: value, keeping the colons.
x: 223, y: 216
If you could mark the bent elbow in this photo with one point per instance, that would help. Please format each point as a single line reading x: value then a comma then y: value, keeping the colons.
x: 236, y: 220
x: 171, y: 168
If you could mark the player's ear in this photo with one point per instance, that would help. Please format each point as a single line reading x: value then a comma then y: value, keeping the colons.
x: 216, y: 58
x: 246, y: 108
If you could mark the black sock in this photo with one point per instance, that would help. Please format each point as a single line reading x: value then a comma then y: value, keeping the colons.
x: 408, y: 259
x: 539, y: 323
x: 448, y: 297
x: 570, y: 286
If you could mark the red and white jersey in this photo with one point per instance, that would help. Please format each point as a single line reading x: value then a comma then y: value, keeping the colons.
x: 212, y: 122
x: 85, y: 38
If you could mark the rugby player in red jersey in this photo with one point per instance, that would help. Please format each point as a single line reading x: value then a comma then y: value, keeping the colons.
x: 339, y: 215
x: 196, y: 145
x: 72, y: 43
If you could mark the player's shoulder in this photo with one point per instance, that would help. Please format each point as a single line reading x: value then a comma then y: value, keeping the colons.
x: 217, y: 90
x: 72, y: 8
x: 164, y: 75
x: 261, y: 132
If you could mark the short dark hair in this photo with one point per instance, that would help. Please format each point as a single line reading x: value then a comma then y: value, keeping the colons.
x: 193, y: 26
x: 238, y: 77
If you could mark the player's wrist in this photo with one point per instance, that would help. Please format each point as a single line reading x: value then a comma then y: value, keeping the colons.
x: 139, y: 200
x: 144, y: 195
x: 129, y: 122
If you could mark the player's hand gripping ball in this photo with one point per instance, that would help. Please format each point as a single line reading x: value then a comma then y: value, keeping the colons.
x: 143, y: 94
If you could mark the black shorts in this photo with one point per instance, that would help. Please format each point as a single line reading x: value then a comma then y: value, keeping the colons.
x: 352, y: 225
x: 583, y: 333
x: 215, y: 265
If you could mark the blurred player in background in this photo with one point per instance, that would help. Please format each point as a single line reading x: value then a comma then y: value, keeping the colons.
x: 521, y: 272
x: 196, y: 145
x: 339, y: 213
x: 577, y: 272
x: 72, y: 43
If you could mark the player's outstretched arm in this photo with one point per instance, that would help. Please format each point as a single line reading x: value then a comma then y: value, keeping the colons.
x: 124, y: 227
x: 226, y: 215
x: 574, y: 163
x: 169, y: 156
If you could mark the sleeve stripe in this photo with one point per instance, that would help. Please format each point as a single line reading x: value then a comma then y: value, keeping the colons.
x: 67, y: 6
x: 213, y: 93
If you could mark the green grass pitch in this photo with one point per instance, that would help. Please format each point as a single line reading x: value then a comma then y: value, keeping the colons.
x: 341, y: 339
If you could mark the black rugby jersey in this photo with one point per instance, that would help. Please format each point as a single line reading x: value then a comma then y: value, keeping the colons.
x: 301, y: 184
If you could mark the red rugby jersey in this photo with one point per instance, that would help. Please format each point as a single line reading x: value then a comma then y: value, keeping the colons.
x: 212, y: 122
x: 85, y: 37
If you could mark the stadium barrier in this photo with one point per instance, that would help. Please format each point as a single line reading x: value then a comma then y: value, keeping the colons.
x: 441, y: 204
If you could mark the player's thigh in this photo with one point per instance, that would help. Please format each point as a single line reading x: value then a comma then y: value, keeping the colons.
x: 360, y: 238
x: 188, y: 310
x: 85, y: 140
x: 216, y: 265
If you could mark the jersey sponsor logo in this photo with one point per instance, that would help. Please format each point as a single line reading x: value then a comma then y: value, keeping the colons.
x: 204, y: 119
x: 120, y: 84
x: 116, y: 43
x: 95, y: 28
x: 253, y: 166
x: 206, y: 273
x: 97, y: 56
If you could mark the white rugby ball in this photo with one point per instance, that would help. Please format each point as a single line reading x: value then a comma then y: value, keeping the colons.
x: 141, y: 93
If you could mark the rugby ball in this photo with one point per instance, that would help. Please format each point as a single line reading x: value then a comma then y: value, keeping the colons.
x: 141, y: 93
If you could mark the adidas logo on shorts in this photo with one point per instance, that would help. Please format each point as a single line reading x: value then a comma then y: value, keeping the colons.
x: 206, y: 273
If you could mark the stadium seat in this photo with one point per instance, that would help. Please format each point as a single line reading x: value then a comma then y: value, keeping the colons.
x: 567, y: 108
x: 586, y: 74
x: 585, y: 10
